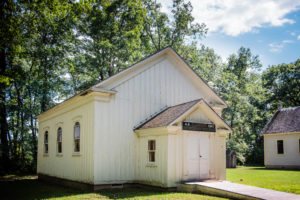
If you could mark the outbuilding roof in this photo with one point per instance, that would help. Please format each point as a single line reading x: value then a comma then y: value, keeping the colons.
x: 283, y: 121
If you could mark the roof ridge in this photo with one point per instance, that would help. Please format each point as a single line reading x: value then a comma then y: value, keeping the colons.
x: 289, y: 108
x: 132, y: 65
x: 186, y: 103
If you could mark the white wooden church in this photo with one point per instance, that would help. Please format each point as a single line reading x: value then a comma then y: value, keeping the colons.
x: 155, y: 123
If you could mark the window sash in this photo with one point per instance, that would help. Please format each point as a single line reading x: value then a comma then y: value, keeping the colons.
x: 151, y: 155
x: 77, y: 132
x: 77, y: 145
x: 59, y: 135
x: 152, y: 145
x: 280, y: 147
x: 46, y: 138
x: 46, y: 148
x: 59, y: 147
x: 151, y: 150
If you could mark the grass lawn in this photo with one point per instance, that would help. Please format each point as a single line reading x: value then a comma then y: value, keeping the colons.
x: 281, y: 180
x: 28, y: 187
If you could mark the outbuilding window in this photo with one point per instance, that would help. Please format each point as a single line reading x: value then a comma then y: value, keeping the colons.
x: 280, y: 149
x: 59, y: 140
x: 151, y: 150
x: 77, y: 137
x: 46, y: 142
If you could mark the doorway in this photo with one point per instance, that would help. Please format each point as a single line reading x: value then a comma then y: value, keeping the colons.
x: 197, y: 156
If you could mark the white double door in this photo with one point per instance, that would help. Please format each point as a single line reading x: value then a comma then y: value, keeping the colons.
x: 197, y: 156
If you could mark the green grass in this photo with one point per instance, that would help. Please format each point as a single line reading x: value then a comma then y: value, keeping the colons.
x: 275, y: 179
x: 28, y: 187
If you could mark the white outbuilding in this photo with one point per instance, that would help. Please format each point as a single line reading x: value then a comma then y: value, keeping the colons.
x: 155, y: 123
x: 282, y: 139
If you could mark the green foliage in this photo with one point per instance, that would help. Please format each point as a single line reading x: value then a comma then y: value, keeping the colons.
x: 111, y: 31
x: 241, y: 88
x: 161, y: 30
x: 283, y: 84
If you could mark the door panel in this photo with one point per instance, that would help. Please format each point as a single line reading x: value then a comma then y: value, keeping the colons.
x: 193, y: 160
x: 204, y: 156
x: 197, y: 156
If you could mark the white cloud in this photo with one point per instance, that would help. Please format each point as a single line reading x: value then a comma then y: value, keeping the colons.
x: 234, y: 17
x: 277, y: 47
x: 298, y: 37
x: 293, y: 33
x: 287, y: 41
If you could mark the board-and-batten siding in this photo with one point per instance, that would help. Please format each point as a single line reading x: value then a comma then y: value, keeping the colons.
x: 197, y: 116
x: 157, y: 173
x: 67, y: 165
x: 136, y: 99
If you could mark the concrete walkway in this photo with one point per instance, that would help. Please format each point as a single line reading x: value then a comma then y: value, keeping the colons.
x: 237, y: 191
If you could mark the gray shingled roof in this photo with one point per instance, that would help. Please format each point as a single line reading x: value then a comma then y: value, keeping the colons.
x: 167, y: 116
x: 284, y: 121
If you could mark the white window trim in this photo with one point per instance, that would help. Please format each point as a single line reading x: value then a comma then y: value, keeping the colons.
x: 46, y: 153
x: 299, y: 146
x: 59, y: 124
x: 47, y: 128
x: 280, y: 154
x: 77, y: 119
x: 149, y: 163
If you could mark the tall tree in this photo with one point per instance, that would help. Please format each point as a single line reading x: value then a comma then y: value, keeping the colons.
x: 161, y: 30
x: 241, y: 88
x: 283, y: 85
x: 9, y: 48
x: 111, y: 30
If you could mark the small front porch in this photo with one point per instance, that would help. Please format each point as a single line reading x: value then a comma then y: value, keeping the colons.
x: 187, y: 143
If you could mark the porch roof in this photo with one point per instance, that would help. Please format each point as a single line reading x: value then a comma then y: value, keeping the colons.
x: 171, y: 114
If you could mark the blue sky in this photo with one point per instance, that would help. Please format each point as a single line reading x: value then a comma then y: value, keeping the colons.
x: 270, y: 28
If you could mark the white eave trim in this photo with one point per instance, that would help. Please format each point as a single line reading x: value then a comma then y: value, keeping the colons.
x: 278, y: 134
x: 193, y: 108
x: 100, y: 92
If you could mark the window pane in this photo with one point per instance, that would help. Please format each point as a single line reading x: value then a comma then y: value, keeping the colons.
x: 77, y: 131
x: 46, y: 137
x: 151, y: 145
x: 59, y: 147
x: 280, y: 146
x: 59, y: 134
x: 151, y: 156
x: 77, y: 146
x: 46, y: 148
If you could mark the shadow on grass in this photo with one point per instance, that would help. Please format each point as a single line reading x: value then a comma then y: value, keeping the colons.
x: 12, y: 188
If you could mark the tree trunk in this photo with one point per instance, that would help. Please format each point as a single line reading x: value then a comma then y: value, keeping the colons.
x: 3, y: 115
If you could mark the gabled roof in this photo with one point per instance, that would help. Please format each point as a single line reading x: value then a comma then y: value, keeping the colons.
x: 170, y: 51
x: 283, y: 121
x: 172, y: 114
x: 100, y: 87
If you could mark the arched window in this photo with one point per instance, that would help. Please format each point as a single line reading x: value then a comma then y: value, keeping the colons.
x: 59, y: 140
x: 46, y: 142
x: 77, y: 137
